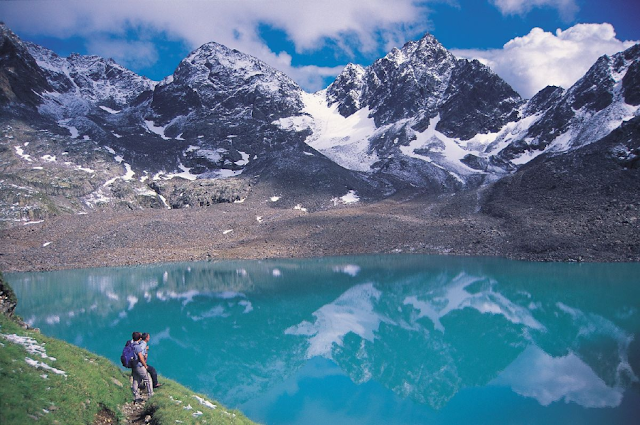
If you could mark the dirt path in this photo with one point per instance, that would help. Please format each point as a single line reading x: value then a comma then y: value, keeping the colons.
x: 134, y: 412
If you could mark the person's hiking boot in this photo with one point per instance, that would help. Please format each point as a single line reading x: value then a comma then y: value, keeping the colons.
x: 157, y: 386
x: 138, y: 401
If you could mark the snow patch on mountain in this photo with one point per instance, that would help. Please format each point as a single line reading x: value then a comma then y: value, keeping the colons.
x: 156, y: 129
x: 589, y: 127
x: 184, y: 173
x: 81, y: 168
x: 223, y: 173
x: 351, y: 197
x: 127, y: 176
x: 433, y: 146
x: 297, y: 123
x: 511, y: 132
x: 21, y: 154
x: 96, y: 198
x: 213, y: 155
x: 245, y: 159
x: 344, y: 140
x: 109, y: 110
x: 64, y: 124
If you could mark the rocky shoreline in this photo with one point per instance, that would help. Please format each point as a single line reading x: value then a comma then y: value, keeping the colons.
x: 255, y: 229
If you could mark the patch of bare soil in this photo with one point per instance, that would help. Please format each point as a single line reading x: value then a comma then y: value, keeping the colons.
x: 136, y: 413
x: 105, y: 417
x: 259, y: 228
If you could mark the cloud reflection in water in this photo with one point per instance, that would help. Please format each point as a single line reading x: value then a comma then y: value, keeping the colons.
x: 548, y: 379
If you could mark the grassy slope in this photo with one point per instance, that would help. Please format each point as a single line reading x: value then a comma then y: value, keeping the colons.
x: 93, y: 385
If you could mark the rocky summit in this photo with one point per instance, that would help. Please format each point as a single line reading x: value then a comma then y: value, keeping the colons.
x: 445, y: 140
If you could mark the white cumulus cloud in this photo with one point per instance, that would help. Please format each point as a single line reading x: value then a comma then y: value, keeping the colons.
x: 131, y: 32
x: 567, y: 8
x: 541, y: 58
x: 351, y: 25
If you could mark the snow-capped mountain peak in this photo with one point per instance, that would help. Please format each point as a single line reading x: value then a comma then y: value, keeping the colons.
x: 215, y: 75
x: 94, y: 79
x: 417, y: 116
x: 604, y: 98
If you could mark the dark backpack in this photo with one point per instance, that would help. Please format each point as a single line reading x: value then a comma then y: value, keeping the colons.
x: 128, y: 354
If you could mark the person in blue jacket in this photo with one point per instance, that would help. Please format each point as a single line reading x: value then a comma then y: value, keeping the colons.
x: 139, y: 369
x: 152, y: 370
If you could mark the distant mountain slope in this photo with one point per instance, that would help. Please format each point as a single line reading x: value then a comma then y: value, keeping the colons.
x: 558, y: 201
x: 21, y: 79
x: 595, y: 105
x: 430, y: 110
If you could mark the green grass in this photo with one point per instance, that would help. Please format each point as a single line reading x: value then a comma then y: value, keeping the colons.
x: 27, y: 393
x: 92, y: 384
x: 173, y: 403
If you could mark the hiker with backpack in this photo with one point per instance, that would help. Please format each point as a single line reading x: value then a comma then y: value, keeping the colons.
x: 152, y: 370
x: 133, y: 356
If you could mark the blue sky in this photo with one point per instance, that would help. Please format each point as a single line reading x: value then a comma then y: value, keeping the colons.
x: 529, y: 43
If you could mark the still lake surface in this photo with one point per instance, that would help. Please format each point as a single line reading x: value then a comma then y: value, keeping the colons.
x: 401, y: 339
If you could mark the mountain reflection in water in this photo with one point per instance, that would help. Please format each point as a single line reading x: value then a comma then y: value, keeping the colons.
x: 424, y: 337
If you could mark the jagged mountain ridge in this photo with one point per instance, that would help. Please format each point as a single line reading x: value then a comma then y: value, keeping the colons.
x: 423, y: 79
x: 419, y: 117
x: 21, y: 79
x: 595, y: 105
x: 471, y: 110
x: 92, y: 78
x: 225, y: 129
x: 429, y: 110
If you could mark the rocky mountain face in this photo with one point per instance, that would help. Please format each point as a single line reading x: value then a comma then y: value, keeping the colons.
x: 458, y: 116
x: 21, y: 79
x: 82, y: 132
x: 589, y: 194
x: 422, y: 80
x: 598, y: 103
x: 220, y: 106
x: 427, y: 107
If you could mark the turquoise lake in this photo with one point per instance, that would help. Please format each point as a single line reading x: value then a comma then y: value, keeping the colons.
x: 397, y: 339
